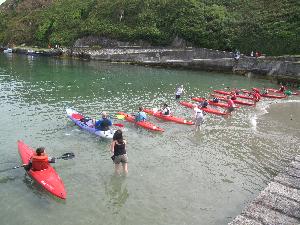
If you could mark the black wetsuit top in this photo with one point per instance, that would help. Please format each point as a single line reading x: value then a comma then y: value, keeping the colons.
x: 119, y: 149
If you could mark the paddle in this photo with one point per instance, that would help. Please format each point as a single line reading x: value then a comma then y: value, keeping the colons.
x: 118, y: 124
x: 66, y: 156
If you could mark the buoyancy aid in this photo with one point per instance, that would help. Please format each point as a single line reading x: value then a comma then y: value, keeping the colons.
x: 39, y: 162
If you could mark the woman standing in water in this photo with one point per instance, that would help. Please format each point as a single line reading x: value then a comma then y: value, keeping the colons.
x: 118, y: 149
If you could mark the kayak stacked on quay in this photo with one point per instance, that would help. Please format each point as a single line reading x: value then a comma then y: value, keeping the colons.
x: 87, y: 124
x: 48, y: 178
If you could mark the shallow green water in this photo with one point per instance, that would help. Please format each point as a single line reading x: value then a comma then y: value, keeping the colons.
x: 177, y: 177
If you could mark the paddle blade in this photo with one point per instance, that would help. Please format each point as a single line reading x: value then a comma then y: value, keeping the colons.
x: 120, y: 117
x: 118, y: 124
x: 66, y: 156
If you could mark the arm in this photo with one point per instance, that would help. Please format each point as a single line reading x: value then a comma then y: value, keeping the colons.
x: 112, y: 148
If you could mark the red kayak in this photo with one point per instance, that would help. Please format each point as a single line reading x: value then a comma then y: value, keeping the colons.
x: 269, y: 95
x: 229, y: 93
x: 281, y: 92
x: 273, y: 96
x: 168, y: 118
x: 223, y: 98
x: 223, y: 105
x: 144, y: 124
x: 48, y: 178
x: 208, y: 110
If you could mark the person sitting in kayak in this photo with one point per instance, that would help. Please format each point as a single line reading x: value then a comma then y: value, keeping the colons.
x: 282, y: 88
x: 103, y: 124
x: 215, y: 100
x: 166, y: 111
x: 39, y: 160
x: 204, y: 104
x: 140, y: 116
x: 233, y: 96
x: 264, y: 91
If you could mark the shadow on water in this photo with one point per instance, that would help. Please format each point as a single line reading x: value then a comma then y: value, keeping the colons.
x: 117, y: 193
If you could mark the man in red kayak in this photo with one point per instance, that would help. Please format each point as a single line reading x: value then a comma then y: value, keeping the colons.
x: 39, y: 160
x: 166, y: 111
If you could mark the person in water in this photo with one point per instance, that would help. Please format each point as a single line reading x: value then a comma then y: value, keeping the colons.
x: 119, y: 154
x: 39, y: 160
x: 104, y: 123
x: 140, y: 116
x: 198, y: 118
x: 179, y: 92
x: 230, y: 105
x: 166, y: 111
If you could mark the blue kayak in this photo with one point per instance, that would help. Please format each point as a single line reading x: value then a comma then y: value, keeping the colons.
x: 87, y: 124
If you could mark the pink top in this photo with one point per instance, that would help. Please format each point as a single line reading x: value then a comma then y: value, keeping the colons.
x: 230, y: 103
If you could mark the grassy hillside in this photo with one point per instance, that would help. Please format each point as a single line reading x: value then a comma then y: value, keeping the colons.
x: 270, y: 27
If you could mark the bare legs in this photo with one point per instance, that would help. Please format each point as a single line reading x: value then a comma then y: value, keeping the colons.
x: 118, y: 168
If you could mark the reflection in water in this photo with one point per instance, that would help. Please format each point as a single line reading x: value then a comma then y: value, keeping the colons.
x: 117, y: 193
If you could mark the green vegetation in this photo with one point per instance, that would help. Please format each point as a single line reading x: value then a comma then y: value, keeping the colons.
x: 272, y: 27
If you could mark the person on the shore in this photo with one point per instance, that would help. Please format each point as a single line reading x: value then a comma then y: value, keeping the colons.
x: 140, y: 116
x: 166, y: 111
x: 104, y: 123
x: 179, y: 92
x: 198, y: 118
x: 119, y: 154
x: 230, y: 106
x: 39, y: 160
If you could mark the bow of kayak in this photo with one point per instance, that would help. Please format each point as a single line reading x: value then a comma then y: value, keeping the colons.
x: 76, y: 118
x: 48, y: 178
x: 208, y: 110
x: 169, y: 118
x: 144, y: 124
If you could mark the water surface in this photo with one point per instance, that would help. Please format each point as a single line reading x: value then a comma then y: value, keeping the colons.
x: 177, y: 177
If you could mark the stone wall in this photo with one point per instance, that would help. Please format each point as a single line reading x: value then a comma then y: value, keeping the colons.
x: 278, y: 68
x: 278, y: 204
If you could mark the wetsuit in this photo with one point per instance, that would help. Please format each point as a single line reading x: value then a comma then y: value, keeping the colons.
x: 103, y: 124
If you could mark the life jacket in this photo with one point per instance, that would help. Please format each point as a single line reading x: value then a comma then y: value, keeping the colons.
x: 39, y: 162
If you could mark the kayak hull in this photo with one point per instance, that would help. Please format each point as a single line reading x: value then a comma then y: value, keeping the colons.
x: 168, y: 118
x: 76, y: 116
x: 229, y: 93
x: 47, y: 178
x: 145, y: 124
x: 220, y: 104
x: 223, y: 98
x: 208, y: 110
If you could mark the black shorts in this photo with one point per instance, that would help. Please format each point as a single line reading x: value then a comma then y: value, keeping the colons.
x: 177, y: 97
